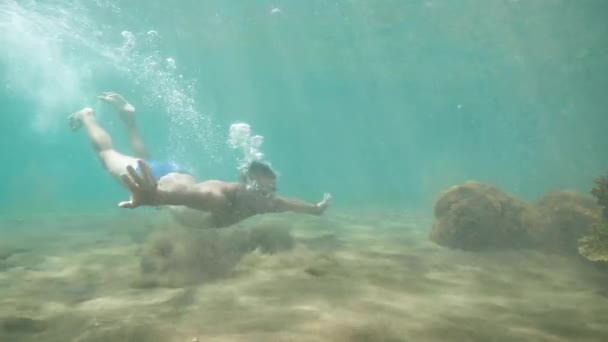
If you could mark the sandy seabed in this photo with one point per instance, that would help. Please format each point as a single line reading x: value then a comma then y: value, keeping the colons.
x: 364, y: 276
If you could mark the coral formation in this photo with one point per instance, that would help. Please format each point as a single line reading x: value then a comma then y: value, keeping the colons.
x: 594, y: 246
x: 563, y: 217
x: 175, y: 257
x: 270, y: 237
x: 600, y: 192
x: 476, y: 217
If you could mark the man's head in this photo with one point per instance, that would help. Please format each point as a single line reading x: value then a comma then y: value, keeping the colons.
x: 260, y: 177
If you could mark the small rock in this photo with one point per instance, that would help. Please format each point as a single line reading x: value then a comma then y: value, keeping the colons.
x: 315, y: 272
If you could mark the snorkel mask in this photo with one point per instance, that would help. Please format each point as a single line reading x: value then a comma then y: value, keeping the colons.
x: 259, y: 179
x: 259, y: 189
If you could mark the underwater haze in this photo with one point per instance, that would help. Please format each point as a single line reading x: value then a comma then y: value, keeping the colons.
x: 384, y: 104
x: 376, y: 102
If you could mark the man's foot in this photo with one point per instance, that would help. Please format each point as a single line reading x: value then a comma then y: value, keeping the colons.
x: 75, y: 119
x: 124, y: 108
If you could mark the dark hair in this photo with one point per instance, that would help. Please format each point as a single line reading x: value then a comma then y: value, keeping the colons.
x: 257, y: 169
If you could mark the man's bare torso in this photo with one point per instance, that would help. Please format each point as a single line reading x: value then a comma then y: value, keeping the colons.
x: 235, y: 203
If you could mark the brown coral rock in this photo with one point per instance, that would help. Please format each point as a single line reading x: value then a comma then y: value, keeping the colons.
x: 475, y: 216
x: 600, y: 192
x: 563, y: 218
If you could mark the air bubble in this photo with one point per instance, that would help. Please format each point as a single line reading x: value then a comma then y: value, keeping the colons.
x: 171, y: 63
x: 240, y: 138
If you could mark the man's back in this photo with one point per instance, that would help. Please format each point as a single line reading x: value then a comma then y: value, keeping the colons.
x: 230, y: 203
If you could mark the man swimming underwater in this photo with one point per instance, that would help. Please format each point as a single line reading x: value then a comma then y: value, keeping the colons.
x: 207, y: 204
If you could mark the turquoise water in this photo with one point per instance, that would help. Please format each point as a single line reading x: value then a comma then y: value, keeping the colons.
x: 384, y: 104
x: 376, y: 102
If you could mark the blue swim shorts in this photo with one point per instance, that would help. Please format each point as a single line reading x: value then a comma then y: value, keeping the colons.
x: 162, y: 168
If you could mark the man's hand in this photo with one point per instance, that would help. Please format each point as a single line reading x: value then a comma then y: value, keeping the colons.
x: 143, y: 188
x: 117, y: 101
x: 324, y: 203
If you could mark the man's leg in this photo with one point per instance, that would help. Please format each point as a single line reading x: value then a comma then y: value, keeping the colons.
x: 127, y: 115
x: 135, y: 139
x: 185, y: 216
x: 115, y: 163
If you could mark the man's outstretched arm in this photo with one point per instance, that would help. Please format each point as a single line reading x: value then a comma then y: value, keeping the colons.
x: 145, y: 192
x: 282, y: 204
